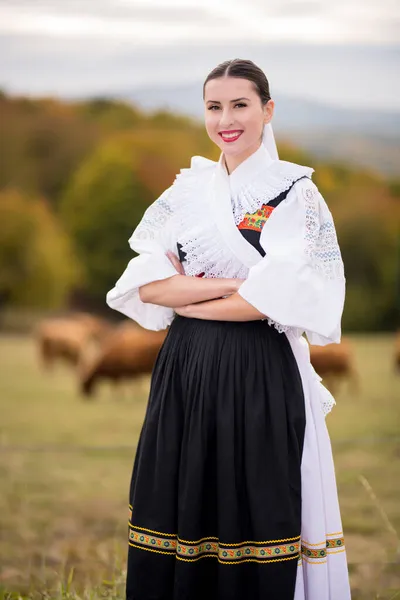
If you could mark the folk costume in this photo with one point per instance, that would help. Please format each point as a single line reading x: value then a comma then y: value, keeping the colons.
x: 233, y: 491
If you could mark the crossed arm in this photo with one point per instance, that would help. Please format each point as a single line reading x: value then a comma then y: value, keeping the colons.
x: 209, y: 299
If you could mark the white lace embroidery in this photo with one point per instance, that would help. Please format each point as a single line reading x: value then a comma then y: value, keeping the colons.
x: 278, y: 326
x: 321, y: 242
x: 265, y: 187
x: 205, y: 251
x: 154, y: 219
x: 326, y: 399
x: 327, y: 404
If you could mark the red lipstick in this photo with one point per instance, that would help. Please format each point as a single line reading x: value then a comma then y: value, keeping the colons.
x: 230, y: 136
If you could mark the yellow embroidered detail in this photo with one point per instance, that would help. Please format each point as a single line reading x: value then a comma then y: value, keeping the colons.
x: 241, y: 543
x: 321, y: 549
x: 152, y: 530
x: 149, y: 549
x: 232, y: 553
x: 292, y: 539
x: 223, y: 562
x: 321, y: 562
x: 309, y: 543
x: 197, y: 541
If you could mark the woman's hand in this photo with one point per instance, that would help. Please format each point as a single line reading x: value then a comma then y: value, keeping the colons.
x: 183, y: 311
x: 176, y: 263
x: 232, y: 308
x: 236, y: 285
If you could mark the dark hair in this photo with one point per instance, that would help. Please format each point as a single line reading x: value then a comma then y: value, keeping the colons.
x: 243, y: 69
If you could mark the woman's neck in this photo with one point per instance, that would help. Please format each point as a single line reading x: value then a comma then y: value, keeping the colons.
x: 232, y: 162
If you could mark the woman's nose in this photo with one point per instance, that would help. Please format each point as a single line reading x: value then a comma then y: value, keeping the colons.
x: 226, y: 119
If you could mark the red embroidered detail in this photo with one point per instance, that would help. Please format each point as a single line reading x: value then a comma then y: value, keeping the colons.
x: 256, y: 221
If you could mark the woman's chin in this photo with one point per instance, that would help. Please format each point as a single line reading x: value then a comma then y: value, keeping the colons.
x: 232, y: 149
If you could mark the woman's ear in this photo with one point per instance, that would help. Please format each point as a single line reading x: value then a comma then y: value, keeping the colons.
x: 268, y: 110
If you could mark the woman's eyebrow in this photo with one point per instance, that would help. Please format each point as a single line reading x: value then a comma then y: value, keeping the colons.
x: 235, y: 100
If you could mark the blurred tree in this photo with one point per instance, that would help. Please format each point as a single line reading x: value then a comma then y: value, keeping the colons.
x: 43, y: 142
x: 100, y: 208
x: 110, y: 192
x: 158, y: 155
x: 394, y: 186
x: 111, y: 114
x: 37, y: 266
x: 164, y: 119
x: 292, y: 153
x: 369, y: 249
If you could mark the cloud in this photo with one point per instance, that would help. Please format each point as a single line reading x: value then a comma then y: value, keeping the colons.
x: 152, y: 22
x: 292, y: 8
x: 145, y: 24
x: 110, y: 9
x: 338, y: 75
x: 311, y: 48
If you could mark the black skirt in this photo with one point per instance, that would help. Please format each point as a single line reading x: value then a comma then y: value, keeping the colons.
x: 216, y: 486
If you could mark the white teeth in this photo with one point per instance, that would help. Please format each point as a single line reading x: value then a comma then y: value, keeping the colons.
x: 230, y: 135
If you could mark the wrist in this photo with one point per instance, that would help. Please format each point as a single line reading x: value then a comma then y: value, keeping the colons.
x: 234, y: 285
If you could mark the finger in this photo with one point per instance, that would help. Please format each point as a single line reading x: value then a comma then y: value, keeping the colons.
x: 176, y: 262
x: 172, y: 258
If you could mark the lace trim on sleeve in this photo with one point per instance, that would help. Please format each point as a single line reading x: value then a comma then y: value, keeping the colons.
x: 322, y: 246
x: 327, y: 403
x: 280, y: 328
x: 154, y: 219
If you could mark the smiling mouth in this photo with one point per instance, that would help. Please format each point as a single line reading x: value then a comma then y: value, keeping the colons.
x: 230, y: 136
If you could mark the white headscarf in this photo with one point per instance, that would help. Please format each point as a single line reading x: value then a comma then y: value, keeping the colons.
x: 269, y: 141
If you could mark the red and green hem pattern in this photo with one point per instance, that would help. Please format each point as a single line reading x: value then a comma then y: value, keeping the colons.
x: 247, y: 551
x: 318, y: 553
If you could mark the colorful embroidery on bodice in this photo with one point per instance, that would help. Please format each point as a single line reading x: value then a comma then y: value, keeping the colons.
x: 257, y: 220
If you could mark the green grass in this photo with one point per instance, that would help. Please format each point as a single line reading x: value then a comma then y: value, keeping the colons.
x: 65, y: 465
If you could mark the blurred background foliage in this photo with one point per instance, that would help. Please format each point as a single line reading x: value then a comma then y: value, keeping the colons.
x: 76, y: 177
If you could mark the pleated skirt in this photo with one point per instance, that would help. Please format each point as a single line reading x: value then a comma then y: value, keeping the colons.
x: 215, y: 495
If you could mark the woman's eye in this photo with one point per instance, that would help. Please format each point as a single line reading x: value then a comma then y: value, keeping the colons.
x: 215, y: 107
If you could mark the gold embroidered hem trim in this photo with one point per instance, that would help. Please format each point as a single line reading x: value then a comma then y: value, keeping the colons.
x: 261, y: 552
x: 211, y: 547
x: 330, y: 546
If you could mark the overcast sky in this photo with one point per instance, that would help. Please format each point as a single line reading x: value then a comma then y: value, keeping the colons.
x: 339, y: 51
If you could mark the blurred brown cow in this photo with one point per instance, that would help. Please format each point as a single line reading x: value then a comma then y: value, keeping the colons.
x: 397, y: 351
x: 335, y: 362
x: 128, y: 352
x: 66, y: 338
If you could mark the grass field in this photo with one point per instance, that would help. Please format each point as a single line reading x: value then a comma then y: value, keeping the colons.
x: 65, y: 465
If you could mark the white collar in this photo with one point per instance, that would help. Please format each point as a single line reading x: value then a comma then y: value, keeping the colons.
x: 258, y: 180
x: 245, y: 173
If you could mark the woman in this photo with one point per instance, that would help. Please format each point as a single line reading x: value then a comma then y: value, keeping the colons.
x: 233, y: 492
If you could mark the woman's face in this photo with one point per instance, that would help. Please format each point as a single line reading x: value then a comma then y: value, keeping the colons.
x: 235, y: 116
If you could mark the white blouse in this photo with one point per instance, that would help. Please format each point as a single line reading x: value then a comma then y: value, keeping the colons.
x: 299, y: 284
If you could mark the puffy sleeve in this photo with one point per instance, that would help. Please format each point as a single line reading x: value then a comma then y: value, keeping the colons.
x: 300, y: 282
x: 151, y: 239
